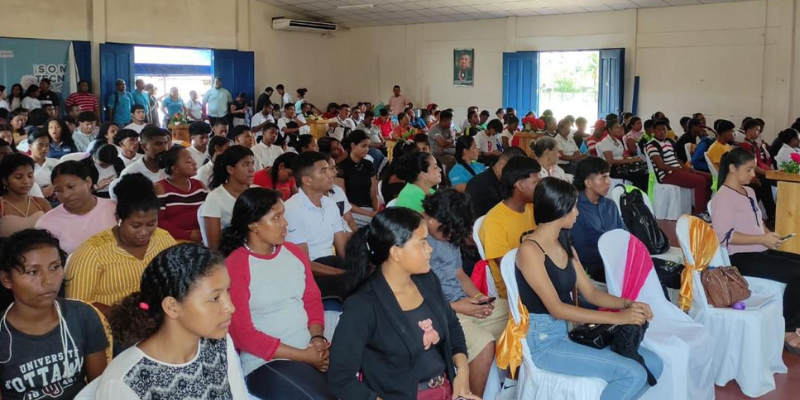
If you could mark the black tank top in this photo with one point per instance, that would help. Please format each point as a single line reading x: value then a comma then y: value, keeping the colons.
x: 563, y: 281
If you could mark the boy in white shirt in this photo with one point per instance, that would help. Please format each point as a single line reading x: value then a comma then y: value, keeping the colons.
x: 343, y: 124
x: 289, y: 116
x: 261, y: 119
x: 267, y: 151
x: 488, y: 143
x: 199, y: 132
x: 84, y: 135
x: 138, y: 116
x: 220, y: 128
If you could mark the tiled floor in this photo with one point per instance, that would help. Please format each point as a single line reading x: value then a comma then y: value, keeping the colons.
x: 787, y: 385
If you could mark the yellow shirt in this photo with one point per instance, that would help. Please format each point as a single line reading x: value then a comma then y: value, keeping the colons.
x: 716, y: 151
x: 102, y: 271
x: 501, y: 232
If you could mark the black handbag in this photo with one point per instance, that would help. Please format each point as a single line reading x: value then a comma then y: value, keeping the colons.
x: 598, y: 336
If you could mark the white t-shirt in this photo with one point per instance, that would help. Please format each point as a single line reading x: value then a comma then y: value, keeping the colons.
x: 219, y: 204
x: 199, y: 156
x: 137, y: 167
x: 485, y: 143
x: 31, y: 104
x: 259, y: 119
x: 312, y: 225
x: 129, y: 161
x: 616, y: 148
x: 784, y: 154
x: 194, y: 108
x: 134, y: 375
x: 104, y: 173
x: 266, y: 155
x: 136, y: 127
x: 345, y: 125
x: 340, y: 198
x: 566, y: 146
x: 41, y: 173
x: 205, y: 173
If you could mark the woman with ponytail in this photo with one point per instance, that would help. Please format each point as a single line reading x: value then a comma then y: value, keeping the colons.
x: 278, y: 327
x: 399, y: 313
x: 467, y: 164
x: 179, y: 195
x: 33, y: 309
x: 279, y: 176
x: 753, y: 248
x: 233, y: 174
x: 177, y: 327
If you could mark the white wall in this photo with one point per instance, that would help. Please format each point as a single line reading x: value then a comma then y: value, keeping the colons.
x: 726, y: 60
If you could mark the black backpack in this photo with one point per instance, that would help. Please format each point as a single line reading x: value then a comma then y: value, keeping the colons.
x: 640, y: 221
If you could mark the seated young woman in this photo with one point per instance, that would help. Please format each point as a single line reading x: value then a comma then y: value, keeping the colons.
x: 177, y: 327
x: 279, y: 176
x: 467, y: 165
x: 279, y: 324
x: 108, y: 266
x: 357, y: 176
x: 179, y: 195
x: 233, y: 174
x: 216, y: 146
x: 18, y: 209
x: 400, y: 315
x: 548, y: 275
x: 546, y: 151
x: 39, y: 145
x: 753, y: 248
x: 623, y: 166
x: 31, y: 274
x: 81, y: 215
x: 422, y: 174
x: 105, y: 166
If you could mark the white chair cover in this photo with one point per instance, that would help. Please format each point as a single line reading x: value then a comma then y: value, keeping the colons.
x: 331, y: 321
x: 73, y: 157
x: 748, y: 344
x: 89, y: 392
x: 687, y: 149
x: 391, y: 203
x: 380, y: 193
x: 202, y: 224
x: 711, y: 168
x: 490, y: 282
x: 535, y: 383
x: 683, y: 345
x: 670, y: 201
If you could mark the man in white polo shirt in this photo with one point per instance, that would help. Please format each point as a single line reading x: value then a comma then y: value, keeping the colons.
x: 199, y: 132
x: 266, y: 151
x: 315, y: 223
x: 261, y: 119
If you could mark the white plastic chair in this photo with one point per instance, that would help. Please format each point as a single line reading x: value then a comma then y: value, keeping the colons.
x: 687, y: 148
x: 490, y: 282
x: 535, y: 383
x: 201, y: 221
x: 670, y: 201
x: 711, y: 168
x: 748, y: 344
x: 684, y: 345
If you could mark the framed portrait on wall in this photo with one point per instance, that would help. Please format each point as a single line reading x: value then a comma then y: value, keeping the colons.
x: 463, y: 67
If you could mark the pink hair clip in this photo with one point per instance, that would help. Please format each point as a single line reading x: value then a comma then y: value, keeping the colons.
x: 144, y: 306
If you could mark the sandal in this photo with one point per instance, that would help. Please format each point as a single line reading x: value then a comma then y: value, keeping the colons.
x: 790, y: 348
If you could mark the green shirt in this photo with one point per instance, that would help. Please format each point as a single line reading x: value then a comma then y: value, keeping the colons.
x: 411, y: 197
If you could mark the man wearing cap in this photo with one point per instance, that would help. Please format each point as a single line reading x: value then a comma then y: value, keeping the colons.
x: 710, y: 132
x: 119, y: 104
x: 696, y: 132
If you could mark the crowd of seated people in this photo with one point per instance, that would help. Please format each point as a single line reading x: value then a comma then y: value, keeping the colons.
x: 220, y: 251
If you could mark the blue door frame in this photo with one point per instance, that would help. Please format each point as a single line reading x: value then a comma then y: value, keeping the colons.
x: 116, y: 62
x: 521, y: 81
x: 612, y: 82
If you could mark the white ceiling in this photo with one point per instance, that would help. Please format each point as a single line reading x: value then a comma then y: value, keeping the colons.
x: 404, y: 12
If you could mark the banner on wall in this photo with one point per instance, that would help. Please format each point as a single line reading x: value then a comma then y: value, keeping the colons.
x: 28, y: 61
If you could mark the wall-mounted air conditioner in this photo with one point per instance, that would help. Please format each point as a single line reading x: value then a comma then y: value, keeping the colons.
x: 287, y: 24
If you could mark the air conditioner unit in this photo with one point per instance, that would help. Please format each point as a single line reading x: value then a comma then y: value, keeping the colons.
x: 286, y: 24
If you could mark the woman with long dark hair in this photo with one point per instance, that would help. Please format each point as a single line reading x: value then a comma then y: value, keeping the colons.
x: 787, y: 143
x: 623, y: 166
x: 549, y: 276
x: 34, y: 309
x: 61, y: 142
x: 399, y: 313
x: 176, y: 323
x: 39, y: 145
x: 17, y: 93
x: 753, y: 248
x: 179, y: 195
x: 18, y: 209
x: 279, y: 176
x: 357, y: 176
x: 216, y: 146
x: 421, y: 174
x: 105, y: 136
x: 467, y: 165
x: 279, y: 324
x: 233, y: 174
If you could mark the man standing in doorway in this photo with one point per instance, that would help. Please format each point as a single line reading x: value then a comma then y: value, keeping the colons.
x: 142, y: 98
x: 217, y: 99
x: 397, y: 102
x: 119, y: 104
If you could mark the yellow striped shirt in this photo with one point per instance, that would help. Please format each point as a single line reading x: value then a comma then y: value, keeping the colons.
x: 102, y: 271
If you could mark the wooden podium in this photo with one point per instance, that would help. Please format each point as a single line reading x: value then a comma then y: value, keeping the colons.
x: 525, y: 140
x: 180, y: 132
x: 787, y: 212
x: 319, y: 128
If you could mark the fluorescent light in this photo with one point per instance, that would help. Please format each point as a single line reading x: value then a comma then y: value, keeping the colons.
x: 354, y: 7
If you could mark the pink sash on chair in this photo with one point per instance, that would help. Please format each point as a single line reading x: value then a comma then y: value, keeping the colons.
x: 638, y: 265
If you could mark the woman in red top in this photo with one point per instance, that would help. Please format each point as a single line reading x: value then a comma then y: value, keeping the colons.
x: 179, y: 195
x: 384, y: 121
x: 279, y: 176
x: 402, y: 127
x: 762, y: 186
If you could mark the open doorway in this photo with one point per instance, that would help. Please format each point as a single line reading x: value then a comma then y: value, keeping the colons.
x: 569, y: 83
x: 166, y: 68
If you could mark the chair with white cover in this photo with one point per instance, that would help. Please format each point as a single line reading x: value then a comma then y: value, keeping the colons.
x: 73, y: 157
x: 380, y: 193
x: 669, y: 201
x: 684, y: 345
x: 535, y: 383
x: 391, y: 203
x: 687, y: 149
x: 202, y: 222
x: 714, y: 173
x: 748, y: 344
x: 490, y: 282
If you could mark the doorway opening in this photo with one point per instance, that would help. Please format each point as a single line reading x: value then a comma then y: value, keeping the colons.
x: 569, y: 83
x: 167, y: 67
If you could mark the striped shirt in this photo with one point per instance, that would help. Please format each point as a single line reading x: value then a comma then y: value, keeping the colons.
x: 102, y: 271
x: 664, y: 149
x: 87, y: 101
x: 178, y: 208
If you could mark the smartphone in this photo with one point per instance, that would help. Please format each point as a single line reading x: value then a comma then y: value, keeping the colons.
x: 789, y: 236
x: 487, y: 301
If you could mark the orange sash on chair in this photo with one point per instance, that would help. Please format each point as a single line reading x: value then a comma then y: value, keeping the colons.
x: 509, y: 347
x: 703, y: 245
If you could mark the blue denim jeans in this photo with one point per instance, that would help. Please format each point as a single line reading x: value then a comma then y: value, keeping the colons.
x: 552, y: 351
